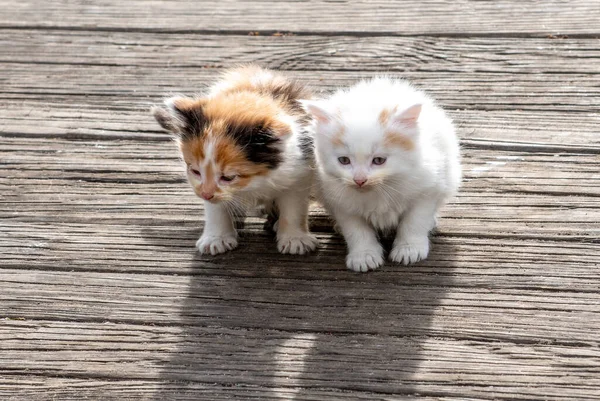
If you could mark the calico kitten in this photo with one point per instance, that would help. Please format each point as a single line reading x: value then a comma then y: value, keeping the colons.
x: 245, y: 145
x: 387, y: 159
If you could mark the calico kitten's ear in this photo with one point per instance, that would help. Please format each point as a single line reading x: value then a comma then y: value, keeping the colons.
x: 181, y: 115
x: 406, y: 118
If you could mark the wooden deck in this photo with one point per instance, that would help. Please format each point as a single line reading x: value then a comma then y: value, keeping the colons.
x: 102, y: 296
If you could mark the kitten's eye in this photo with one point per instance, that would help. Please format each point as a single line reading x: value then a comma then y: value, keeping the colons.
x: 379, y: 160
x: 227, y: 178
x: 195, y: 172
x: 344, y: 160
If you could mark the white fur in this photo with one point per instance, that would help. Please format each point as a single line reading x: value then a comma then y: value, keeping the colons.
x: 405, y: 193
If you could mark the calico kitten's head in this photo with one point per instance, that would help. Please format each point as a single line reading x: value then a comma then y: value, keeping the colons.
x: 364, y: 147
x: 228, y: 141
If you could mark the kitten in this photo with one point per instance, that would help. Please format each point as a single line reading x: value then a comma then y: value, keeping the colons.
x: 245, y: 145
x: 387, y: 159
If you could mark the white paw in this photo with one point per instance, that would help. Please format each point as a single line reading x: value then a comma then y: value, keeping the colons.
x: 364, y: 260
x: 216, y: 244
x: 298, y: 244
x: 411, y: 251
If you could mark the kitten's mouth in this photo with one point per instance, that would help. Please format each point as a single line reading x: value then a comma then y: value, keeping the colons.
x: 364, y: 188
x: 212, y: 200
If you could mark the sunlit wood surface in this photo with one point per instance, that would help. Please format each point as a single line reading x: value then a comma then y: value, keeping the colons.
x: 103, y: 297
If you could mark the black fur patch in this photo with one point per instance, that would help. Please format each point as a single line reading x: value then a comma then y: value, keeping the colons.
x: 259, y: 144
x: 185, y: 122
x: 193, y: 121
x: 288, y: 92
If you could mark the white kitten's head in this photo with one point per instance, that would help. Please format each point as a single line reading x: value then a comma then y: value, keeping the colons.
x: 365, y: 147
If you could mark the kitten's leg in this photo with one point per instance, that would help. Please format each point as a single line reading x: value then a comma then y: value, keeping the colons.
x: 364, y: 250
x: 412, y: 238
x: 219, y: 233
x: 292, y: 225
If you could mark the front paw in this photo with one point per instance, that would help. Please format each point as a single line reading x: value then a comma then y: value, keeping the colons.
x: 216, y: 244
x: 297, y: 244
x: 364, y: 259
x: 410, y: 251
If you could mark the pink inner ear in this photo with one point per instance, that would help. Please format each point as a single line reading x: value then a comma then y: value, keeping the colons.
x: 318, y: 113
x: 408, y: 116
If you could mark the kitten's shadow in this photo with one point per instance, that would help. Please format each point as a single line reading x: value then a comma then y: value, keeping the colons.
x: 257, y: 324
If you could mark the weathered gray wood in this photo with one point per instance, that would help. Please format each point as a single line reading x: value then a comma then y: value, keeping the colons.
x: 102, y: 295
x: 278, y: 361
x: 402, y: 54
x: 319, y: 305
x: 478, y: 90
x: 467, y: 17
x: 44, y: 388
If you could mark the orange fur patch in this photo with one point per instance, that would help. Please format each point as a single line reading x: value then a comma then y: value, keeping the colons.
x: 396, y: 139
x: 192, y: 150
x: 244, y: 109
x: 185, y: 103
x: 384, y: 116
x: 252, y: 78
x: 229, y: 157
x: 337, y: 138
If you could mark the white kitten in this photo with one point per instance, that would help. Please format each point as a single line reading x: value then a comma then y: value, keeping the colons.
x: 387, y: 159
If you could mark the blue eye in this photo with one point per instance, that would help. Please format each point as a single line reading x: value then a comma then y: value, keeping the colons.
x: 378, y: 161
x: 344, y: 160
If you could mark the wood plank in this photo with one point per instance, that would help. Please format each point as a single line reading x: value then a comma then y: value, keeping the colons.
x: 402, y: 54
x: 400, y: 310
x: 467, y: 17
x: 41, y: 388
x: 483, y: 263
x: 290, y: 364
x: 103, y: 296
x: 468, y: 90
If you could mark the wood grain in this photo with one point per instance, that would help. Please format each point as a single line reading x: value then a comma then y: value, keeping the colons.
x: 546, y: 55
x: 478, y: 90
x: 380, y: 17
x: 317, y: 357
x: 102, y: 295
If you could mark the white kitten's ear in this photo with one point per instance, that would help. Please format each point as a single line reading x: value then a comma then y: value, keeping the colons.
x: 319, y: 111
x: 407, y: 117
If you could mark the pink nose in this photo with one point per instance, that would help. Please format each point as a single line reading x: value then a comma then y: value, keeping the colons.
x: 360, y: 181
x: 207, y: 196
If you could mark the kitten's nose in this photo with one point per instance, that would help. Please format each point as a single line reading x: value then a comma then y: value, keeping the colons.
x: 360, y: 181
x: 206, y: 196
